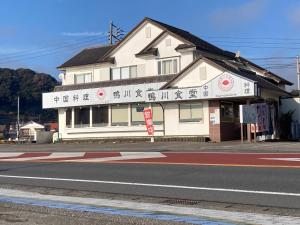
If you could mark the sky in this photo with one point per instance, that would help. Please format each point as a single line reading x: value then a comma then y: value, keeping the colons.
x: 43, y: 34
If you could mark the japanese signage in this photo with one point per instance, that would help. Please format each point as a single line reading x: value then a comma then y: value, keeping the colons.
x: 223, y: 86
x: 97, y: 96
x: 148, y: 121
x: 248, y: 114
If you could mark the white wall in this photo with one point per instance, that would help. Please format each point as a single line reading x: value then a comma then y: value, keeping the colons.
x: 174, y: 127
x: 192, y: 77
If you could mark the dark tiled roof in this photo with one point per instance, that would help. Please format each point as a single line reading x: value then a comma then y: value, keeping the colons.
x: 88, y: 56
x: 227, y: 65
x: 110, y: 83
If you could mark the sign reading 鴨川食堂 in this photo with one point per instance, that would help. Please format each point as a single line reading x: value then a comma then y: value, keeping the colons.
x: 225, y: 85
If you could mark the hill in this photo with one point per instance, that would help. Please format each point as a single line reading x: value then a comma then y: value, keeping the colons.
x: 29, y: 86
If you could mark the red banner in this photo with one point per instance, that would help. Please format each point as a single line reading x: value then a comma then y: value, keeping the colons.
x: 148, y: 121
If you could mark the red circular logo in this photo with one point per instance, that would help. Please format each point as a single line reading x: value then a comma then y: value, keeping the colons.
x: 101, y: 93
x: 226, y: 82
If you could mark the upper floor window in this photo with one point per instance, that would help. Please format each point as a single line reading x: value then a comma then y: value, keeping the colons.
x: 82, y: 78
x: 123, y: 72
x: 167, y: 66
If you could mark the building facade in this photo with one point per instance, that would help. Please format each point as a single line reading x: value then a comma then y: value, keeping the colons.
x: 193, y: 87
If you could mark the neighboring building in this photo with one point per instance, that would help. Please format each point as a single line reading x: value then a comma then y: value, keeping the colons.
x: 29, y: 131
x: 193, y: 87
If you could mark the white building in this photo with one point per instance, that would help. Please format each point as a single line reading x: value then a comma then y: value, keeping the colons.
x: 193, y: 87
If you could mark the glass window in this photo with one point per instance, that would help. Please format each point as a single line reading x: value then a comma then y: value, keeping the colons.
x: 69, y: 117
x: 133, y: 71
x: 158, y: 115
x: 119, y: 115
x: 191, y: 112
x: 79, y: 79
x: 88, y: 78
x: 115, y: 74
x: 125, y: 73
x: 167, y: 66
x: 137, y: 113
x: 82, y: 117
x: 100, y: 116
x: 226, y: 111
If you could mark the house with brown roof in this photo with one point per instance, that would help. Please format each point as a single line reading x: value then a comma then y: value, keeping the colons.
x: 193, y: 88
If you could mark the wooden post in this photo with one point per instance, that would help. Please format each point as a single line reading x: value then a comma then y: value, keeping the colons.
x: 242, y: 132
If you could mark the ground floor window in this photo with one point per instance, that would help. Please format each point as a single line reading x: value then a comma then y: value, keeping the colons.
x: 137, y: 113
x: 226, y: 112
x: 82, y: 117
x: 100, y: 116
x: 158, y: 114
x: 69, y: 117
x: 191, y: 112
x: 119, y: 115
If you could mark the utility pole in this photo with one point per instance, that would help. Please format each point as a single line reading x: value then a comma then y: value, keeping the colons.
x: 18, y: 119
x: 298, y: 75
x: 115, y: 33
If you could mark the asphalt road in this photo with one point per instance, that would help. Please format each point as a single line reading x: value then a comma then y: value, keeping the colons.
x: 219, y: 184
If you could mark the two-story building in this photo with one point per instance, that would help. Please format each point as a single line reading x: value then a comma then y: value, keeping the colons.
x: 193, y: 87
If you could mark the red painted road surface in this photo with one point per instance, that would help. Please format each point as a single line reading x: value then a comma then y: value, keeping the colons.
x: 184, y: 158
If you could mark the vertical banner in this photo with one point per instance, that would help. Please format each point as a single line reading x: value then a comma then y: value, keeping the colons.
x: 148, y: 121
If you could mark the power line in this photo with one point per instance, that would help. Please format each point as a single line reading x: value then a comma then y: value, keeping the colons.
x: 41, y: 50
x: 252, y: 38
x: 30, y: 56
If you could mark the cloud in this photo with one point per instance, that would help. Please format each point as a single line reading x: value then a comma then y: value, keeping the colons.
x: 239, y: 14
x: 12, y: 50
x: 294, y: 15
x: 83, y: 34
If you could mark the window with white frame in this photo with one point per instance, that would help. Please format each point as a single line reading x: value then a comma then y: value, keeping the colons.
x: 191, y: 112
x: 69, y: 117
x: 124, y: 72
x: 82, y: 78
x: 167, y: 66
x: 82, y: 117
x: 100, y: 116
x: 158, y: 114
x: 119, y: 115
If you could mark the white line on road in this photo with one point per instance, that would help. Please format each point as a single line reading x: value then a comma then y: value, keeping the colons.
x: 154, y: 185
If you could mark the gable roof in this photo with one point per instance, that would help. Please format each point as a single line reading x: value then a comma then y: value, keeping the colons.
x: 87, y: 56
x: 226, y: 65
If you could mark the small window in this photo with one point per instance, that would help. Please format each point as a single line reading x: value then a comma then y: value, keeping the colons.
x: 83, y: 78
x: 69, y: 117
x: 137, y: 114
x: 168, y: 42
x: 202, y: 73
x: 191, y: 112
x: 82, y: 117
x: 167, y: 66
x: 100, y: 116
x: 158, y: 114
x: 124, y: 72
x: 119, y: 115
x: 148, y: 32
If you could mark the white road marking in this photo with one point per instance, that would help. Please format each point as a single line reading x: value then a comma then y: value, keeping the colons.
x: 284, y: 159
x: 55, y: 155
x: 10, y: 154
x: 124, y: 156
x: 243, y: 217
x: 153, y: 185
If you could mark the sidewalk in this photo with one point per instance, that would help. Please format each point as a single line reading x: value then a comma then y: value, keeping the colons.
x: 230, y: 146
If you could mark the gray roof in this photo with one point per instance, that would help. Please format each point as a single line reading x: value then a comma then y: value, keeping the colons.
x: 87, y: 56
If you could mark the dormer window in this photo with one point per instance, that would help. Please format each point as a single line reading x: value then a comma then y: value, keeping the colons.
x: 167, y: 66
